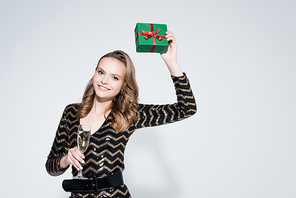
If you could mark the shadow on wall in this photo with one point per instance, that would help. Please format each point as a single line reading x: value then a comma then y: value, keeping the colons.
x: 148, y: 173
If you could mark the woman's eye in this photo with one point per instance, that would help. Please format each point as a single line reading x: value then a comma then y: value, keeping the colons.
x: 115, y: 78
x: 100, y: 72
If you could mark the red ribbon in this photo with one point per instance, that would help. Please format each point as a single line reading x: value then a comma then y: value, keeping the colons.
x: 152, y: 34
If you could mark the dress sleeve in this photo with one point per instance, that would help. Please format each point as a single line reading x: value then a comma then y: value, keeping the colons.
x: 154, y: 115
x: 59, y: 148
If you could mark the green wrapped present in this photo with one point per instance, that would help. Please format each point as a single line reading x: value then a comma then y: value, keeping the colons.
x: 151, y: 38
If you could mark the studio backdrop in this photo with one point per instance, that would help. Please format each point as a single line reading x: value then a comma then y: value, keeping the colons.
x: 238, y: 55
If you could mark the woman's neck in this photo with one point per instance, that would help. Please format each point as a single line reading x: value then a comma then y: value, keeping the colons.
x: 100, y: 106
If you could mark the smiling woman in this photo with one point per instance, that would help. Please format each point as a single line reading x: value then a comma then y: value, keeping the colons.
x: 113, y: 86
x: 108, y: 79
x: 110, y: 105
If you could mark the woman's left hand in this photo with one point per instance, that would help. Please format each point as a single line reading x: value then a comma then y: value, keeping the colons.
x: 170, y: 57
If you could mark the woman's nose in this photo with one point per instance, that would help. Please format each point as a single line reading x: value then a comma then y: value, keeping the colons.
x: 104, y: 81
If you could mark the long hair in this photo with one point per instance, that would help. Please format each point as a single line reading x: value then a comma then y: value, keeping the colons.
x: 124, y: 107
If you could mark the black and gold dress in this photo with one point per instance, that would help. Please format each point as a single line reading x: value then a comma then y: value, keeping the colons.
x: 105, y: 154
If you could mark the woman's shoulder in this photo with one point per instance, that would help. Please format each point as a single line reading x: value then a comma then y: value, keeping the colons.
x: 72, y: 107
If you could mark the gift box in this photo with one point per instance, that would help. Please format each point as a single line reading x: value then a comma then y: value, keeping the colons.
x: 151, y: 38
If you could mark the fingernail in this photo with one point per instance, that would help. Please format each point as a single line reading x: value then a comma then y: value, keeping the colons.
x: 83, y: 157
x: 83, y: 161
x: 81, y: 168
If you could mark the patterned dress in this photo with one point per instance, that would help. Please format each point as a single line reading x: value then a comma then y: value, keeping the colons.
x: 105, y: 154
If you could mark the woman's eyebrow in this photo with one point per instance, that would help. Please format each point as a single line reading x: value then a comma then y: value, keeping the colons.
x: 116, y: 75
x: 100, y: 68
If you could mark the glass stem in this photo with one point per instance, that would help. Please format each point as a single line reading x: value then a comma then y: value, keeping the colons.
x: 79, y: 175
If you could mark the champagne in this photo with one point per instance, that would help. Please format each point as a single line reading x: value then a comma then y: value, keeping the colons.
x: 83, y: 140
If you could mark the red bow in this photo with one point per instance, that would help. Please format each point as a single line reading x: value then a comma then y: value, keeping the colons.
x: 152, y: 34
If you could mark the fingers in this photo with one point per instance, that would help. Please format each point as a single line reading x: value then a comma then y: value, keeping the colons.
x: 170, y: 36
x: 77, y: 154
x: 171, y: 53
x: 172, y: 42
x: 75, y: 157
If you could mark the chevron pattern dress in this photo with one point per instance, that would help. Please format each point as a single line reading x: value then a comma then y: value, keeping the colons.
x: 105, y: 154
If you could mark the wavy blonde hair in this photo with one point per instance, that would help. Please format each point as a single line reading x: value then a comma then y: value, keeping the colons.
x: 124, y: 107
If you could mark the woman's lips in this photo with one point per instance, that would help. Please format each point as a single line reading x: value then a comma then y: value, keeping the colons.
x: 103, y: 88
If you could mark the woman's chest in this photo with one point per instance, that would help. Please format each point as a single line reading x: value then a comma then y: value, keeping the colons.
x: 105, y: 153
x: 95, y: 120
x: 105, y: 139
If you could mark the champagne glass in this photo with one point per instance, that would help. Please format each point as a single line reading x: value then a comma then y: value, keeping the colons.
x: 83, y: 137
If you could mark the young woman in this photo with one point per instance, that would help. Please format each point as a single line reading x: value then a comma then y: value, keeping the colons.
x: 110, y: 106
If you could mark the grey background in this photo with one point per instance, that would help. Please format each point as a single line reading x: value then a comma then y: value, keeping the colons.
x: 238, y: 55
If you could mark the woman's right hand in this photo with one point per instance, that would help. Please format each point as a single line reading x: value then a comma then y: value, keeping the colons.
x: 74, y: 157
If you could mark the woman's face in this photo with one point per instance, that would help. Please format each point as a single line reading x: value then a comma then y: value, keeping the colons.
x: 108, y: 78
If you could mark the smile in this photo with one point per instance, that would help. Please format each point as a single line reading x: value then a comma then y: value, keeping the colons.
x: 103, y: 88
